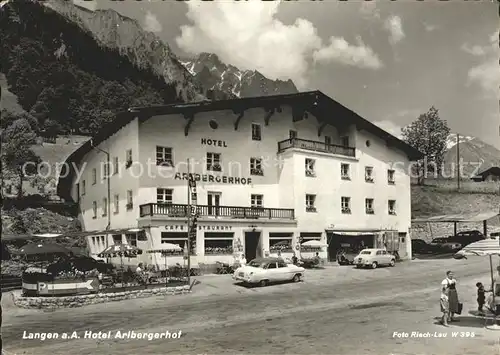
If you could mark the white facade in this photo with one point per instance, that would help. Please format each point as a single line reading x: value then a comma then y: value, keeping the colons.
x: 284, y: 184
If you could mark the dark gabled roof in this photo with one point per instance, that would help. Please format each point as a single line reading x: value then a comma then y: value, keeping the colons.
x: 493, y: 170
x: 321, y: 106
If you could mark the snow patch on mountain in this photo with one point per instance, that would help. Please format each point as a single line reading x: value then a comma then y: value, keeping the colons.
x: 451, y: 141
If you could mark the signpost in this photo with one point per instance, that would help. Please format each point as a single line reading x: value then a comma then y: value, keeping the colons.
x: 192, y: 217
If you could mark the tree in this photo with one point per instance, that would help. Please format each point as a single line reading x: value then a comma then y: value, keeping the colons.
x: 17, y: 156
x: 428, y: 134
x: 8, y: 118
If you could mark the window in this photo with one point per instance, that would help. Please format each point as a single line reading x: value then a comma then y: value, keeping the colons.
x: 391, y: 177
x: 310, y: 167
x: 257, y: 201
x: 164, y: 196
x: 104, y: 207
x: 94, y: 209
x: 328, y: 140
x: 213, y: 162
x: 106, y: 171
x: 281, y: 264
x: 256, y: 167
x: 392, y: 207
x: 369, y: 174
x: 271, y: 266
x: 256, y: 132
x: 310, y: 203
x: 115, y: 166
x: 218, y: 243
x: 83, y: 188
x: 128, y: 159
x: 369, y: 206
x: 344, y: 172
x: 94, y: 176
x: 292, y: 134
x: 130, y: 200
x: 179, y: 238
x: 345, y: 204
x: 131, y: 239
x: 164, y: 156
x: 117, y: 239
x: 280, y: 242
x: 344, y: 141
x: 117, y: 201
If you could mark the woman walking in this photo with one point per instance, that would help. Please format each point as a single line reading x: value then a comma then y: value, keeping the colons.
x: 449, y: 298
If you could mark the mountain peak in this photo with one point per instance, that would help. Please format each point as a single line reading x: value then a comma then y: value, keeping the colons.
x: 214, y: 74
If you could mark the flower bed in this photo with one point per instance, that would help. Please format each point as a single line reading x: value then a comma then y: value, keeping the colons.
x: 219, y: 251
x: 306, y: 248
x: 79, y: 301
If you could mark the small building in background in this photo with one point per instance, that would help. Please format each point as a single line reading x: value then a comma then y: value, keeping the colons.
x: 490, y: 174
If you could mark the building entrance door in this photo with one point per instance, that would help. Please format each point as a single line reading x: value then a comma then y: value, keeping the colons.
x: 252, y: 242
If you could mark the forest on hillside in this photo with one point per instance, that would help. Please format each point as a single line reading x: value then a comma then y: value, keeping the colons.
x: 64, y: 78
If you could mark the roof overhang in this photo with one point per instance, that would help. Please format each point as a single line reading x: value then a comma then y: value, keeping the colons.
x: 324, y: 108
x: 459, y: 218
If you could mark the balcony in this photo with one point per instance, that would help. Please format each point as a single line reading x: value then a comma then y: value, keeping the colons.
x: 181, y: 211
x: 316, y: 146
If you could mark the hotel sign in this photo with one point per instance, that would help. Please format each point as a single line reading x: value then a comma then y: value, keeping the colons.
x: 214, y: 142
x: 214, y: 178
x: 182, y: 227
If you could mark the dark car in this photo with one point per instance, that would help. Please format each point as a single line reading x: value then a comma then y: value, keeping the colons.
x: 467, y: 237
x: 419, y: 246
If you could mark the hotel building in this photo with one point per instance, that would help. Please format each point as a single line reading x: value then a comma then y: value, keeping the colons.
x: 272, y: 172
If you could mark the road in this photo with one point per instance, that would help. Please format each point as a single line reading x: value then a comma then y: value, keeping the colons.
x: 339, y: 310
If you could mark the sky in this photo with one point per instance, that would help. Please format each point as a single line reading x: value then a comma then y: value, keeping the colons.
x: 387, y: 61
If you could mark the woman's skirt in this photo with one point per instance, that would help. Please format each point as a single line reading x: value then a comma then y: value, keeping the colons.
x: 453, y: 301
x: 445, y: 306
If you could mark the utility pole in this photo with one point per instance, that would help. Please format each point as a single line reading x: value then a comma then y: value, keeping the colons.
x: 192, y: 216
x: 189, y: 224
x: 458, y: 162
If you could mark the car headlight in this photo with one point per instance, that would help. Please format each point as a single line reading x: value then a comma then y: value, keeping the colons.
x: 251, y: 274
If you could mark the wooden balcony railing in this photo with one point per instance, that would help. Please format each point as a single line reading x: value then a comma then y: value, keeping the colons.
x: 181, y: 210
x: 316, y: 146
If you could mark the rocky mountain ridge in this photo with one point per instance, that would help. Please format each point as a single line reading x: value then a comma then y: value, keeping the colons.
x: 210, y: 72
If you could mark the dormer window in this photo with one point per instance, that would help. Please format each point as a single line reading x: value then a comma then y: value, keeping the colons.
x: 213, y: 162
x: 309, y: 167
x: 369, y: 174
x: 256, y: 167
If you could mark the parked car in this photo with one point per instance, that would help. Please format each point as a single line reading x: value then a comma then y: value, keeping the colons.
x: 452, y: 245
x: 374, y: 258
x: 467, y: 237
x: 419, y: 246
x: 267, y: 270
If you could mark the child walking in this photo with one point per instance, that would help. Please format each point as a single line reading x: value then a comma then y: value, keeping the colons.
x: 480, y: 297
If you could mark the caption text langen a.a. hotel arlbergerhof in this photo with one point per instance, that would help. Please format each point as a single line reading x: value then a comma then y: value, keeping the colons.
x: 103, y: 335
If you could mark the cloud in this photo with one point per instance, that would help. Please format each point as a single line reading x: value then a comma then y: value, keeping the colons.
x: 429, y: 28
x: 91, y: 5
x: 339, y: 50
x: 394, y: 25
x: 151, y: 23
x: 369, y: 9
x: 390, y: 127
x: 487, y: 74
x: 474, y: 50
x: 249, y: 36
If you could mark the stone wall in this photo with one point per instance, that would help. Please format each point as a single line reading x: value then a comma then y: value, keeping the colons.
x: 79, y: 301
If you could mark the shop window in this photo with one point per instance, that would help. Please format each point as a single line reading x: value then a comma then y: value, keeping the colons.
x: 117, y: 239
x: 131, y: 239
x: 280, y: 243
x: 176, y: 238
x: 219, y: 243
x: 306, y: 237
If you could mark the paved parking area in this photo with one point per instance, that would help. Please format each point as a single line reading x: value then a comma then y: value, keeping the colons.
x: 337, y: 310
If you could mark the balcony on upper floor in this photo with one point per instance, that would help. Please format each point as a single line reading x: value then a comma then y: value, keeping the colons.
x: 223, y: 212
x: 316, y: 147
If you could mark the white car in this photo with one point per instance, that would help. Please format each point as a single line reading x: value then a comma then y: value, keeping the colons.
x: 267, y: 270
x: 374, y: 258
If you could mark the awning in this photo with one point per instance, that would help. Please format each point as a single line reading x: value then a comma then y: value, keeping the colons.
x: 459, y: 218
x: 357, y: 232
x: 72, y: 234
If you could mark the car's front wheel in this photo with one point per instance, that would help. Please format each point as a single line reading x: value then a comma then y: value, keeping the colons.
x: 263, y: 283
x: 374, y: 265
x: 296, y: 278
